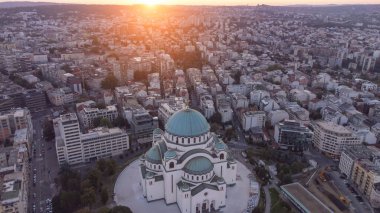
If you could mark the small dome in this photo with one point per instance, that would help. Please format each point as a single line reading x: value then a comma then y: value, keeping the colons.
x: 170, y: 154
x: 153, y: 155
x: 187, y: 123
x: 199, y: 166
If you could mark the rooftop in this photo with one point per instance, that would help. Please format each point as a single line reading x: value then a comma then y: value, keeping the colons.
x: 304, y: 198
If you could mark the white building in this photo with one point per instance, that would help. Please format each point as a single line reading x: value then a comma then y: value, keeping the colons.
x: 188, y: 165
x: 361, y: 165
x: 61, y: 96
x: 73, y: 147
x: 223, y: 105
x: 88, y: 115
x: 331, y: 138
x: 257, y: 95
x: 369, y: 87
x: 251, y: 119
x: 276, y: 116
x: 207, y: 105
x: 166, y: 110
x: 239, y: 101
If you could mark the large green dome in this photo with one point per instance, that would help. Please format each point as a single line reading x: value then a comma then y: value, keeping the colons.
x: 199, y: 166
x: 187, y: 123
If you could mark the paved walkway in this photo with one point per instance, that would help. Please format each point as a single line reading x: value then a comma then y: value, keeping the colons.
x: 128, y: 192
x: 267, y: 199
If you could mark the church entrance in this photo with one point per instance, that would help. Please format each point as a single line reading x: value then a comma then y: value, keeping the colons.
x: 212, y: 206
x: 197, y: 209
x: 205, y: 207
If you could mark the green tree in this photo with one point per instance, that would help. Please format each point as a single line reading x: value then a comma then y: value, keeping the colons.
x: 119, y: 122
x: 101, y: 164
x: 121, y: 209
x: 111, y: 167
x: 104, y: 122
x: 216, y: 118
x: 237, y: 77
x: 83, y: 210
x: 66, y: 68
x: 69, y: 200
x: 104, y: 210
x: 94, y: 178
x: 110, y: 82
x: 88, y: 197
x: 104, y: 195
x: 140, y: 76
x: 48, y: 130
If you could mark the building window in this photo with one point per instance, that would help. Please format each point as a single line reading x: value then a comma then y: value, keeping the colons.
x: 197, y: 178
x: 171, y: 165
x: 221, y: 156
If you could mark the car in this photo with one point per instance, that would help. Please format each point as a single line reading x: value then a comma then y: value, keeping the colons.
x: 359, y: 198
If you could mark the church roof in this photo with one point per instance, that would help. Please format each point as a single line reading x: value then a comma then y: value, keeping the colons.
x: 198, y: 166
x: 203, y: 186
x: 153, y: 155
x: 156, y: 153
x: 187, y: 123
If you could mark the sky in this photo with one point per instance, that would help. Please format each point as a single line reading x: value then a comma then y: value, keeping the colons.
x: 214, y: 2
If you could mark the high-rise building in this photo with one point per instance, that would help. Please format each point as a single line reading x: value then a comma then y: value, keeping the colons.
x: 73, y: 147
x: 292, y: 135
x: 330, y: 138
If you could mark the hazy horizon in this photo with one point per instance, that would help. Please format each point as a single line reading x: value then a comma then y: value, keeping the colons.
x: 206, y: 2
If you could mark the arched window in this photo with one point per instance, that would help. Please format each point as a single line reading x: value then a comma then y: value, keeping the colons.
x: 171, y: 165
x: 221, y: 156
x: 197, y: 177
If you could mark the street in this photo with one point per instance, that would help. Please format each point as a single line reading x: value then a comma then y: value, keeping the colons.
x: 44, y: 167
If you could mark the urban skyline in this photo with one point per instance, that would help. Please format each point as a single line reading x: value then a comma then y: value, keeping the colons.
x: 210, y: 2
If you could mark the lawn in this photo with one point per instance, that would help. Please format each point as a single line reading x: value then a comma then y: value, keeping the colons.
x: 278, y: 205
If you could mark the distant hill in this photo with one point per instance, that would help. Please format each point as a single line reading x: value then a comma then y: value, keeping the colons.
x: 11, y: 4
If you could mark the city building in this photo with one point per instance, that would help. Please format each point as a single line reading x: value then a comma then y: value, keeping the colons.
x: 251, y: 119
x: 73, y: 147
x: 331, y: 138
x: 88, y: 115
x: 188, y: 165
x: 292, y: 135
x: 303, y: 199
x: 166, y: 110
x: 142, y: 123
x: 61, y: 96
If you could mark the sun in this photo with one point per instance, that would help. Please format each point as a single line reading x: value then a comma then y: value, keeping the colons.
x: 150, y: 2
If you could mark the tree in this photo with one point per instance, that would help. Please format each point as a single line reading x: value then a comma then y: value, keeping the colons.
x: 121, y: 209
x: 101, y: 164
x: 237, y: 77
x: 140, y: 76
x: 66, y: 68
x: 104, y: 195
x: 94, y: 178
x: 111, y: 167
x: 216, y: 118
x: 119, y: 122
x: 104, y: 210
x: 104, y: 122
x: 48, y: 131
x: 110, y: 82
x: 83, y: 210
x: 88, y: 196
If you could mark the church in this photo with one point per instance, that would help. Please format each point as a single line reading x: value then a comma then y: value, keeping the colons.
x: 188, y: 165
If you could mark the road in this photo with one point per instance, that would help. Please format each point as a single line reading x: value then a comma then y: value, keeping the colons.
x: 355, y: 206
x: 44, y: 166
x: 323, y: 161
